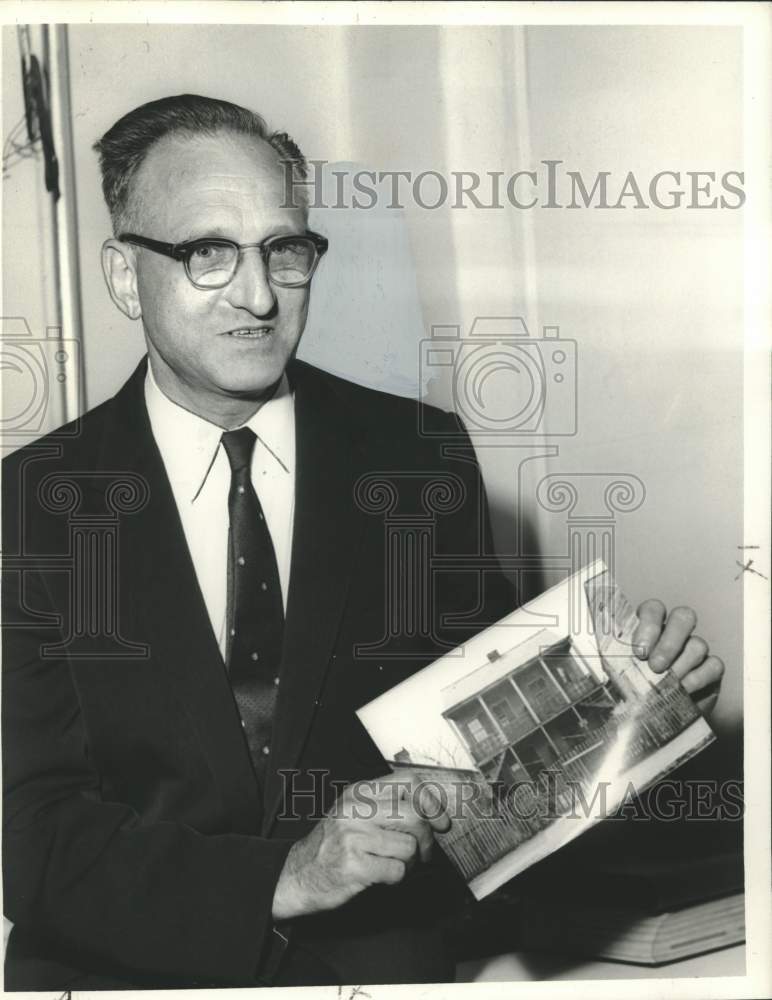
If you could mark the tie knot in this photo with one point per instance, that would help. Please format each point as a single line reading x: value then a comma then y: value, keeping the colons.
x: 239, y: 446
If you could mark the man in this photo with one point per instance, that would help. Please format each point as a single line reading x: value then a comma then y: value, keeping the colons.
x: 169, y: 813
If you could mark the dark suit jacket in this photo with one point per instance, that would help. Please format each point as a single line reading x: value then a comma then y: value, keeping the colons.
x: 139, y: 848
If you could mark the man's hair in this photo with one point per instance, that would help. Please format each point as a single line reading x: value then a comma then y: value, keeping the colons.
x: 123, y: 148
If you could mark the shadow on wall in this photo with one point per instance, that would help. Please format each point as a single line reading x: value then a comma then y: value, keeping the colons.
x: 368, y: 283
x: 510, y: 523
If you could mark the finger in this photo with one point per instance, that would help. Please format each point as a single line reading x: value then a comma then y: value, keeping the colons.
x: 707, y: 702
x: 706, y: 675
x: 395, y: 810
x: 390, y: 844
x: 651, y: 616
x: 432, y: 809
x: 419, y: 830
x: 423, y: 813
x: 671, y: 643
x: 694, y: 653
x: 406, y: 820
x: 386, y: 870
x: 423, y: 799
x: 393, y: 800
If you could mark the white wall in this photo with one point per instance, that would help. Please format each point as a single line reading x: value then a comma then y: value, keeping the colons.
x: 652, y: 298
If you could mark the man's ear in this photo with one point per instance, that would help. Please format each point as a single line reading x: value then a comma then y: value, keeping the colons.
x: 119, y: 269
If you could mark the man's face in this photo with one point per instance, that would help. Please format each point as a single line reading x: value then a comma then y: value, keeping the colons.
x: 212, y: 348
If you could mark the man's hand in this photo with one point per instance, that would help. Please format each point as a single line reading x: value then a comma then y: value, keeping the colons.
x: 674, y: 646
x: 375, y: 832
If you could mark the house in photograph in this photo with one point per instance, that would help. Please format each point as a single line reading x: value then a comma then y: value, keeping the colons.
x: 530, y: 707
x: 542, y: 707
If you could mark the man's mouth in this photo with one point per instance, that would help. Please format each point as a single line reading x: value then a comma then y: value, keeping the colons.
x: 250, y: 332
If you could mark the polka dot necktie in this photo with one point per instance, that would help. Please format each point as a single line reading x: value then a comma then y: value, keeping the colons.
x: 255, y: 610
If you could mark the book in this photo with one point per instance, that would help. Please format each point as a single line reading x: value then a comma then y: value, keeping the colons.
x: 587, y: 898
x: 651, y: 867
x: 629, y: 934
x: 648, y: 886
x: 537, y: 728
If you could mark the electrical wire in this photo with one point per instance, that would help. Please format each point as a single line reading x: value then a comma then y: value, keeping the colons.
x: 37, y: 115
x: 14, y: 152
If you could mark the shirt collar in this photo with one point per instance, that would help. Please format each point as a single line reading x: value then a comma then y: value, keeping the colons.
x: 189, y: 443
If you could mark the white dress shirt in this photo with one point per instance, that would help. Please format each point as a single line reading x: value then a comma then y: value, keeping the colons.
x: 200, y: 478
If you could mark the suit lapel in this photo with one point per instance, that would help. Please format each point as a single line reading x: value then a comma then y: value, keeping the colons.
x: 171, y: 616
x: 165, y: 607
x: 325, y: 539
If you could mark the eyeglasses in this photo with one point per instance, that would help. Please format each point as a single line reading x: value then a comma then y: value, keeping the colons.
x: 212, y: 262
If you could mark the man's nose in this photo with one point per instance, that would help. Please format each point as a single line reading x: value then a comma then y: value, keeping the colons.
x: 250, y: 287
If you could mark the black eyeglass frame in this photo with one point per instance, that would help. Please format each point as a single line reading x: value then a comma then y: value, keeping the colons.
x: 184, y: 251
